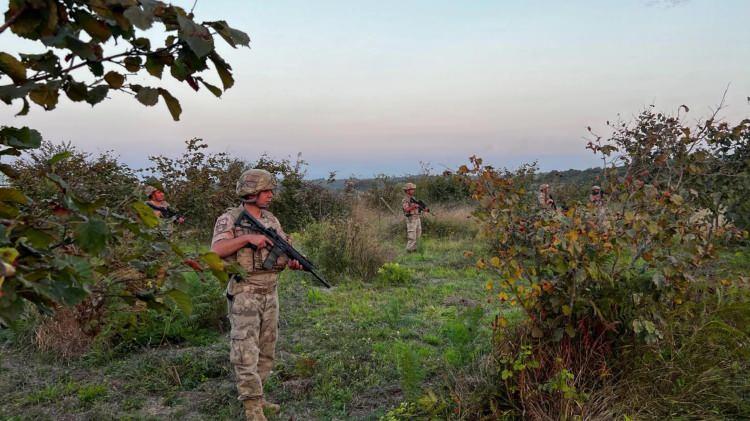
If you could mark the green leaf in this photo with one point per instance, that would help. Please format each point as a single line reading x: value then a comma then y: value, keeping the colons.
x: 223, y: 69
x: 8, y: 211
x: 24, y: 109
x: 45, y: 95
x: 96, y: 29
x: 12, y: 67
x: 132, y: 63
x: 154, y: 67
x: 97, y: 94
x: 8, y: 194
x: 172, y: 103
x: 182, y: 300
x: 76, y: 91
x: 213, y: 261
x: 38, y: 238
x: 141, y: 19
x: 142, y: 43
x: 213, y: 89
x: 197, y: 37
x: 147, y: 96
x: 231, y: 36
x: 8, y: 93
x: 23, y: 138
x: 179, y: 70
x: 47, y: 62
x: 114, y: 79
x: 92, y: 235
x: 59, y: 157
x: 146, y: 214
x: 96, y: 68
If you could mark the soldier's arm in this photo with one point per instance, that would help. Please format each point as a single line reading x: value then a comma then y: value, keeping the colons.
x: 224, y: 243
x: 230, y: 246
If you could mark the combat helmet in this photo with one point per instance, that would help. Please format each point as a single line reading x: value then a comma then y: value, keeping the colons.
x: 149, y: 190
x: 409, y: 186
x: 254, y: 181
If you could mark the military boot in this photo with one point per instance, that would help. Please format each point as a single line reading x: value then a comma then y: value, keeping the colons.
x: 272, y: 407
x: 254, y: 410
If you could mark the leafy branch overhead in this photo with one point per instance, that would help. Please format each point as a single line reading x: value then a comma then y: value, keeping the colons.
x: 98, y: 46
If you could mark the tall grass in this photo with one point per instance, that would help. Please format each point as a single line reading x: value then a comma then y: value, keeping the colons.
x: 347, y: 246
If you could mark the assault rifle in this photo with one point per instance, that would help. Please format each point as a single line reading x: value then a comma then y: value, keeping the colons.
x: 166, y: 213
x: 280, y: 247
x: 422, y: 206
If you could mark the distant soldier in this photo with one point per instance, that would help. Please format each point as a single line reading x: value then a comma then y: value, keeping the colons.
x: 545, y: 198
x: 596, y: 196
x: 253, y: 302
x: 412, y: 209
x: 160, y: 206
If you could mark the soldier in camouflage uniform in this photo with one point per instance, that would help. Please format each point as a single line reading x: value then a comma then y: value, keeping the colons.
x: 413, y: 222
x: 545, y: 198
x: 253, y: 302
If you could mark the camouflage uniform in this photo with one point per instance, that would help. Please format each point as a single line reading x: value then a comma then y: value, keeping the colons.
x: 545, y: 201
x: 413, y: 222
x: 253, y: 305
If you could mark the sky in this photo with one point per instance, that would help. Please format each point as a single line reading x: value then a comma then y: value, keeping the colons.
x: 371, y: 87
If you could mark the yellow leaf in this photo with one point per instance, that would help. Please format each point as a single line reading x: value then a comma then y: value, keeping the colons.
x: 502, y: 322
x: 495, y: 261
x: 566, y: 310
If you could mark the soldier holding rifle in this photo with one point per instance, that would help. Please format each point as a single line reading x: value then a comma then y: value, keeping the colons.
x: 412, y: 208
x: 252, y: 237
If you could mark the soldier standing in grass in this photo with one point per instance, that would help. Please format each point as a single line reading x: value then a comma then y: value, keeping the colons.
x: 253, y: 302
x: 413, y: 222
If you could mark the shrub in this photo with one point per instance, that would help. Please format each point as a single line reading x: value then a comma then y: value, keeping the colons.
x: 592, y: 281
x: 394, y: 274
x: 94, y: 178
x: 455, y: 222
x: 345, y: 247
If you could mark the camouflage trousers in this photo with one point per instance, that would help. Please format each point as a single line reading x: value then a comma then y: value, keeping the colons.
x: 254, y: 316
x: 413, y: 232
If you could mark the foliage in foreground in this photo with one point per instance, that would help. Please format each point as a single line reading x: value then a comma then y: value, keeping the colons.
x: 597, y: 282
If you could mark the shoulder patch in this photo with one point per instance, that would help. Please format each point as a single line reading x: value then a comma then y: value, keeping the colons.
x: 222, y: 224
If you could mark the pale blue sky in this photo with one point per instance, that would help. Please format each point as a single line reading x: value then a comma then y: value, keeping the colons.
x: 368, y: 87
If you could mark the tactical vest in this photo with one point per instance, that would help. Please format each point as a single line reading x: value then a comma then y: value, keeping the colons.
x: 252, y: 260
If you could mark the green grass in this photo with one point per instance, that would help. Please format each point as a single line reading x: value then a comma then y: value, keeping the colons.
x: 355, y: 351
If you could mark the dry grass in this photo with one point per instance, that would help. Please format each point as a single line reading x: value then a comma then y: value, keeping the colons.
x: 62, y: 335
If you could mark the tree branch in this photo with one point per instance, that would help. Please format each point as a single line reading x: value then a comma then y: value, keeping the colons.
x: 11, y: 20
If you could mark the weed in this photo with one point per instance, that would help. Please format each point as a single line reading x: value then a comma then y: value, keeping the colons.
x: 395, y: 274
x: 392, y: 312
x: 408, y: 358
x: 90, y: 393
x: 461, y: 333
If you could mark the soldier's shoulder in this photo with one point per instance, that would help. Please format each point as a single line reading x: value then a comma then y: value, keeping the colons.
x: 228, y: 218
x: 233, y: 212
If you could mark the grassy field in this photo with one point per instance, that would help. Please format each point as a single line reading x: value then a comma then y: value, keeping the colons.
x: 353, y: 352
x: 356, y: 351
